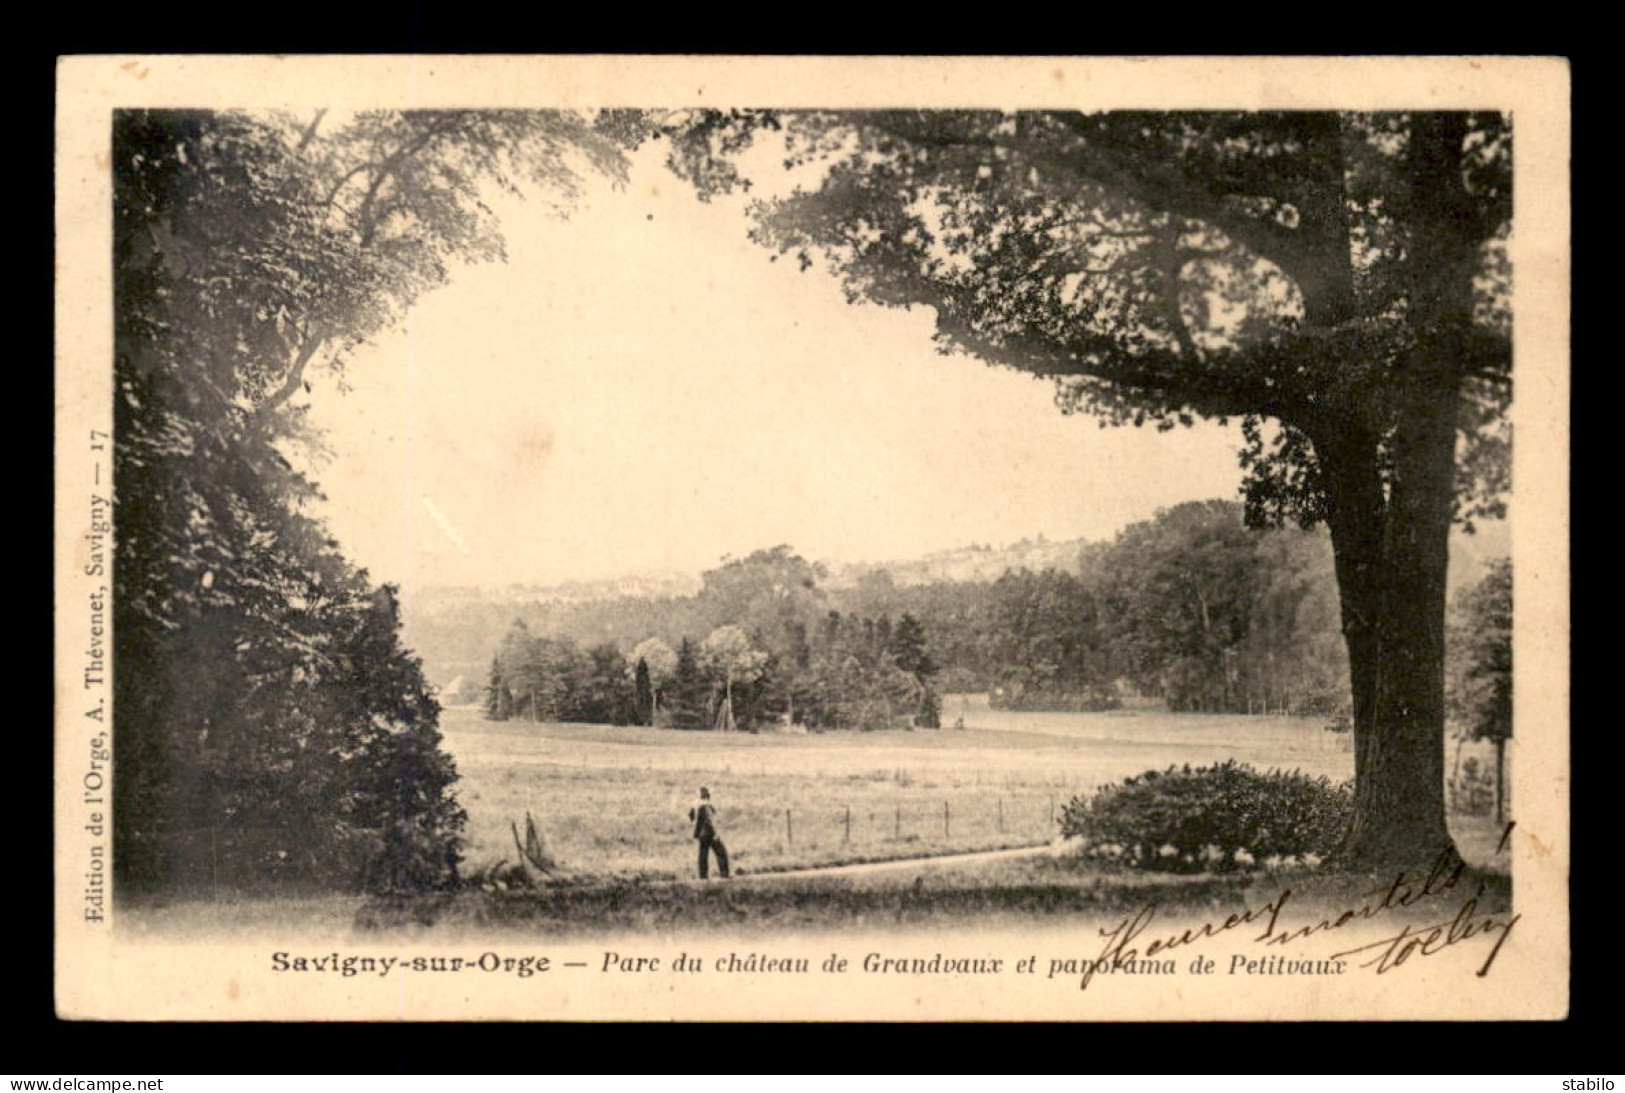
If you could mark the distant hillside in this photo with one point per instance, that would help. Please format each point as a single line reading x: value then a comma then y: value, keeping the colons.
x: 1469, y: 554
x: 667, y: 584
x: 455, y: 629
x: 968, y: 563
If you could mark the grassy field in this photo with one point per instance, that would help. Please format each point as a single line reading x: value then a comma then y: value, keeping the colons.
x: 611, y: 803
x: 614, y: 801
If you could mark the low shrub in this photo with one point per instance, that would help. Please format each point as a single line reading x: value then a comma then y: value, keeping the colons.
x: 1224, y: 817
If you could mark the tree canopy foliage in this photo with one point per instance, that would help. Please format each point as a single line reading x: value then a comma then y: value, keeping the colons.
x: 1210, y: 616
x: 1337, y: 282
x: 267, y: 712
x: 784, y: 662
x: 1481, y: 657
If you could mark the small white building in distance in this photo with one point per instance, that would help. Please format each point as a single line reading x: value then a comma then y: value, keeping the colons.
x: 461, y: 691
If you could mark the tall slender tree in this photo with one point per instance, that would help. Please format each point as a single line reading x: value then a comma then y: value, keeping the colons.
x: 498, y: 698
x: 727, y: 651
x: 643, y: 701
x: 661, y: 661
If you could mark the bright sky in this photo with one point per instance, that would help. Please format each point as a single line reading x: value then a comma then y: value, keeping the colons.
x: 640, y: 390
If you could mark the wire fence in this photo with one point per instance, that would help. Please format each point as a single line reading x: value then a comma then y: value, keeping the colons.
x: 963, y: 819
x: 946, y: 819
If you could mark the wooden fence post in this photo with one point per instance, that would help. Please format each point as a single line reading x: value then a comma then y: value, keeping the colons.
x: 899, y: 832
x: 789, y: 831
x: 847, y: 836
x: 945, y: 819
x: 1001, y: 815
x: 1500, y: 779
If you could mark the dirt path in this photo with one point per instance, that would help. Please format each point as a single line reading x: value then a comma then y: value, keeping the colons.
x: 973, y: 857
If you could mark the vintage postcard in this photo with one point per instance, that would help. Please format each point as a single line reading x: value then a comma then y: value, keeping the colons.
x: 796, y: 538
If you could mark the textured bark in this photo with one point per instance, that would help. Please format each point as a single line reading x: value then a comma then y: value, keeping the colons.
x: 1354, y: 496
x: 1394, y: 621
x: 1393, y: 561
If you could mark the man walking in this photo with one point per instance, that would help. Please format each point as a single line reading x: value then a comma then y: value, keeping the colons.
x: 704, y: 815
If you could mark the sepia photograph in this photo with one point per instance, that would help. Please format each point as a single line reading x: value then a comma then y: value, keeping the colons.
x: 809, y: 538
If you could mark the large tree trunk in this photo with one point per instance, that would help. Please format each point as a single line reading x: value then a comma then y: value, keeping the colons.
x: 1391, y: 576
x: 1392, y: 544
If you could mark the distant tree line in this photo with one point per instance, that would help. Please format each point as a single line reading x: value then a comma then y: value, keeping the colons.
x: 1191, y: 607
x: 552, y: 679
x: 1210, y: 615
x: 782, y: 657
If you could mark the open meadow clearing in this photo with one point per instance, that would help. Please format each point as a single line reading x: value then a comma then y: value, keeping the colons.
x: 611, y: 804
x: 614, y: 800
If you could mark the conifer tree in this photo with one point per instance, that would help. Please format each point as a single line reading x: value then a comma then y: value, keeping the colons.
x: 690, y: 690
x: 643, y: 694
